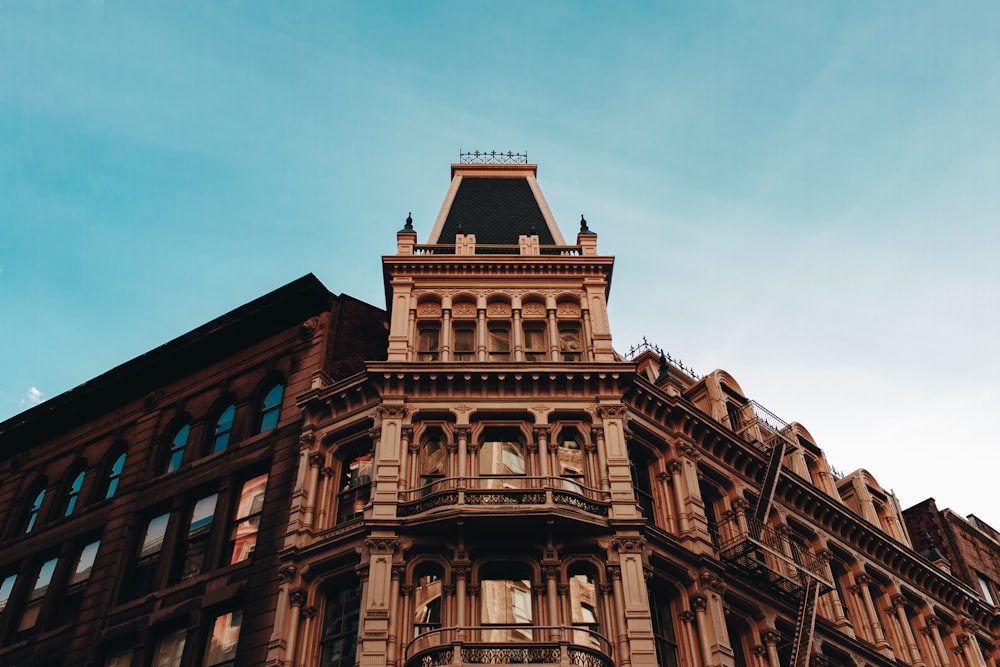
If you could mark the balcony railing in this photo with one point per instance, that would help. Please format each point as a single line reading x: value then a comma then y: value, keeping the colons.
x: 503, y: 490
x: 762, y: 552
x: 495, y: 249
x: 509, y: 644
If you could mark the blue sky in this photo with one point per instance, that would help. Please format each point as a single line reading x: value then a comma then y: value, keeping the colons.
x: 803, y: 194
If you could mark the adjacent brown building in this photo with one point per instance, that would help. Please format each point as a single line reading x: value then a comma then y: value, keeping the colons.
x: 473, y: 476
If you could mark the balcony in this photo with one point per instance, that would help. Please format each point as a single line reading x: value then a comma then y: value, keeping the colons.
x: 510, y: 644
x: 766, y: 555
x: 510, y: 490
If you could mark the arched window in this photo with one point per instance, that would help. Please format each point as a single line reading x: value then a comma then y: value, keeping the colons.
x: 177, y: 446
x: 223, y: 428
x: 339, y: 640
x: 355, y: 486
x: 569, y: 454
x: 114, y: 475
x: 270, y: 409
x: 33, y: 511
x: 73, y: 494
x: 583, y: 597
x: 501, y: 457
x: 428, y: 590
x: 433, y: 460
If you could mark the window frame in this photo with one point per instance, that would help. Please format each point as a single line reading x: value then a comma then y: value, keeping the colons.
x: 222, y: 435
x: 114, y: 472
x: 177, y: 447
x: 265, y: 409
x: 73, y: 492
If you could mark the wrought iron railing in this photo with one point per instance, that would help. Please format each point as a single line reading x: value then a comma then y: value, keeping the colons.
x: 755, y: 546
x: 508, y: 644
x: 503, y: 490
x: 644, y: 344
x: 492, y: 157
x: 496, y: 249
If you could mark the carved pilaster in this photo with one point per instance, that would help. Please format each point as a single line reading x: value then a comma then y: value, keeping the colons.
x: 306, y: 440
x: 612, y: 411
x: 675, y: 467
x: 614, y: 572
x: 316, y: 460
x: 309, y: 612
x: 297, y: 598
x: 381, y: 545
x: 286, y: 573
x: 712, y: 582
x: 392, y: 411
x: 631, y: 545
x: 689, y: 451
x: 699, y: 602
x: 770, y: 638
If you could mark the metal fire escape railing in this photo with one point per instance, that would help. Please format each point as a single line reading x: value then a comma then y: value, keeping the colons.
x: 747, y: 542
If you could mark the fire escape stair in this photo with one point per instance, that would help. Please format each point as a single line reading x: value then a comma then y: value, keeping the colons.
x: 805, y: 623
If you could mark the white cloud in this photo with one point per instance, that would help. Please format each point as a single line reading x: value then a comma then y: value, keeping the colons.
x: 34, y: 396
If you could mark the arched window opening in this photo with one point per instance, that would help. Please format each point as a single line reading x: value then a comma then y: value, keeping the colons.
x: 73, y: 494
x: 33, y: 511
x: 501, y: 457
x: 738, y: 631
x: 569, y: 454
x: 177, y: 446
x: 114, y: 475
x: 428, y: 590
x: 642, y: 485
x: 463, y: 344
x: 270, y: 409
x: 433, y: 462
x: 72, y: 595
x: 355, y: 486
x: 583, y: 597
x: 711, y: 498
x: 223, y: 429
x: 506, y: 601
x: 339, y: 640
x: 663, y: 628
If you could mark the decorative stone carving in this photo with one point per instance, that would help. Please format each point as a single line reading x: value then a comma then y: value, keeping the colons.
x: 614, y: 572
x: 316, y: 460
x: 429, y: 309
x: 542, y: 432
x: 308, y: 328
x: 326, y: 472
x: 152, y: 400
x: 397, y: 572
x: 309, y: 612
x: 662, y: 477
x: 392, y: 411
x: 770, y: 637
x: 675, y: 467
x: 463, y: 309
x: 688, y: 451
x: 566, y: 309
x: 712, y: 582
x: 612, y: 411
x: 461, y: 572
x: 533, y: 309
x: 699, y: 603
x: 307, y: 439
x: 462, y: 433
x: 297, y: 597
x: 628, y: 544
x: 550, y: 572
x: 381, y: 545
x: 686, y: 617
x: 498, y: 309
x: 286, y: 573
x: 406, y: 433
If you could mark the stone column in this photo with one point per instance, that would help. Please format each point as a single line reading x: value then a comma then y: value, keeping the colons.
x: 621, y: 633
x: 602, y: 458
x: 541, y: 439
x: 481, y: 332
x: 325, y: 493
x: 392, y: 650
x: 376, y: 575
x: 899, y: 605
x: 712, y: 620
x: 868, y: 605
x: 405, y: 462
x: 461, y: 573
x: 406, y: 613
x: 551, y: 574
x: 700, y: 605
x: 553, y: 329
x: 690, y: 632
x: 296, y: 598
x: 306, y: 615
x: 932, y: 628
x: 770, y: 639
x: 462, y: 435
x: 664, y: 492
x: 973, y: 653
x: 675, y: 468
x: 316, y: 461
x: 516, y: 336
x: 446, y: 335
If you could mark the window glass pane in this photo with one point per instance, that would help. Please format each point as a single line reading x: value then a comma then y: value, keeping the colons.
x: 85, y: 563
x: 34, y: 602
x: 534, y: 344
x: 74, y: 493
x: 5, y: 588
x: 355, y: 487
x: 170, y: 649
x: 569, y: 344
x: 501, y: 458
x: 221, y: 649
x: 499, y: 344
x: 427, y: 345
x: 177, y: 448
x: 119, y: 658
x: 427, y: 603
x: 465, y: 343
x: 505, y: 602
x: 152, y: 542
x: 248, y: 509
x: 223, y: 428
x: 271, y: 408
x: 984, y: 584
x: 33, y: 512
x: 340, y: 627
x: 115, y: 475
x: 197, y: 537
x: 432, y: 458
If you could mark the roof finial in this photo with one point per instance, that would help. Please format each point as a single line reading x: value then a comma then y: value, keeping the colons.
x: 532, y: 231
x: 584, y: 229
x: 409, y: 222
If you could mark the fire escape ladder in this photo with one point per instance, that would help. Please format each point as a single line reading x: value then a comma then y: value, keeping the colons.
x: 805, y: 624
x: 770, y: 481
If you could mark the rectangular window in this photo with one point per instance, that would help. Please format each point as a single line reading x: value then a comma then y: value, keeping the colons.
x: 66, y: 610
x: 5, y: 588
x: 170, y: 649
x: 221, y: 648
x: 499, y: 344
x: 427, y: 344
x: 355, y: 487
x: 465, y: 343
x: 534, y: 343
x: 506, y: 602
x: 569, y: 344
x: 339, y: 641
x: 984, y: 584
x: 194, y: 546
x: 119, y: 657
x: 144, y: 572
x: 501, y: 458
x: 243, y: 538
x: 33, y: 605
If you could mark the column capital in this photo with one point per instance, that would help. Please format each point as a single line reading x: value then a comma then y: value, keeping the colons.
x: 542, y: 431
x: 686, y: 617
x: 391, y: 411
x: 297, y: 597
x: 615, y: 572
x: 462, y: 432
x: 406, y: 432
x: 699, y: 602
x: 381, y: 545
x: 316, y: 460
x: 674, y: 467
x: 309, y: 612
x: 286, y: 573
x: 597, y: 433
x: 628, y: 544
x: 770, y: 637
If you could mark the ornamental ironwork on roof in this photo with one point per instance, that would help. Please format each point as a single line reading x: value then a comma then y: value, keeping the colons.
x: 492, y: 157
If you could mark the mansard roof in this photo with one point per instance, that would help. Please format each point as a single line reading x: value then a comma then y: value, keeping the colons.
x: 497, y: 204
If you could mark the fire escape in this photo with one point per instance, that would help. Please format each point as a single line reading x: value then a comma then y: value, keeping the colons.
x: 769, y: 557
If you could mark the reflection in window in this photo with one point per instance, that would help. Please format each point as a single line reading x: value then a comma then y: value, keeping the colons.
x: 338, y: 643
x: 170, y: 649
x: 432, y: 463
x: 464, y: 346
x: 569, y: 344
x: 499, y: 343
x: 270, y: 410
x: 119, y: 657
x: 501, y: 458
x: 33, y: 511
x: 221, y: 648
x: 74, y: 493
x: 506, y: 600
x: 583, y: 604
x: 247, y: 522
x: 33, y: 604
x: 177, y: 446
x: 427, y: 600
x: 144, y: 571
x: 70, y: 602
x: 535, y: 343
x: 223, y: 429
x: 571, y: 463
x: 6, y: 586
x: 427, y: 344
x: 114, y: 475
x: 195, y: 543
x: 355, y: 487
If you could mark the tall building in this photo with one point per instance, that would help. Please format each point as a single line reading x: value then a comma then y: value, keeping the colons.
x: 472, y: 476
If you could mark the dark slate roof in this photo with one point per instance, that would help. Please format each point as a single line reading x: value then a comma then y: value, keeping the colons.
x: 497, y: 211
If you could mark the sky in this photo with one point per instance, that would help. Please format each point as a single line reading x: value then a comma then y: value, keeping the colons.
x: 803, y: 194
